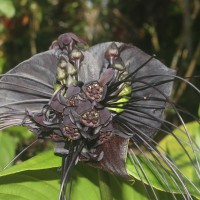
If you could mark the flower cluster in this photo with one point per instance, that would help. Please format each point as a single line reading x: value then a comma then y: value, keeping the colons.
x: 76, y: 111
x: 92, y: 103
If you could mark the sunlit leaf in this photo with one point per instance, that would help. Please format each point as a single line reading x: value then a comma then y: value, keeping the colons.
x: 8, y: 146
x: 41, y: 174
x: 20, y: 132
x: 44, y: 160
x: 30, y: 185
x: 176, y: 151
x: 7, y: 8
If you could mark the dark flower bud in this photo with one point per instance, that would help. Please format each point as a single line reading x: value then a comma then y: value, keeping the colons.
x: 76, y: 56
x: 69, y: 40
x: 54, y: 45
x: 112, y: 53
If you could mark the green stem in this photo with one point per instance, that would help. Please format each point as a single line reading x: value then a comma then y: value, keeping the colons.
x: 104, y: 185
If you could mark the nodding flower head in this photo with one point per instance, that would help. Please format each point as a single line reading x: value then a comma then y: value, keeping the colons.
x: 97, y: 105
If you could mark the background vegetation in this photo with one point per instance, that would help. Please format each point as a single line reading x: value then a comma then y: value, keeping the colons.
x: 170, y: 29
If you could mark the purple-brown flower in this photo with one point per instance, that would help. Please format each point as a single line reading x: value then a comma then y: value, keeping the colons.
x: 108, y: 103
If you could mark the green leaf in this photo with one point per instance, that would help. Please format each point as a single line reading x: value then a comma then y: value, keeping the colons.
x: 41, y: 184
x: 38, y: 178
x: 176, y: 152
x: 19, y: 132
x: 153, y: 170
x: 7, y: 8
x: 41, y: 175
x: 42, y: 161
x: 9, y: 140
x: 8, y: 146
x: 44, y: 183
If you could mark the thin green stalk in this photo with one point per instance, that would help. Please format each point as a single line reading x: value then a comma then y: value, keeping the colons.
x: 104, y: 185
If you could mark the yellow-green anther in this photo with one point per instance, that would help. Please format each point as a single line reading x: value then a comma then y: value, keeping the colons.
x: 56, y: 86
x: 76, y: 53
x: 119, y: 66
x: 70, y: 79
x: 70, y: 69
x: 62, y: 64
x: 61, y: 71
x: 123, y: 75
x: 61, y: 74
x: 126, y: 91
x: 124, y: 100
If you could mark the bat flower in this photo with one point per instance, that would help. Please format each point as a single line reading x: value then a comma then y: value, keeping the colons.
x: 100, y: 105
